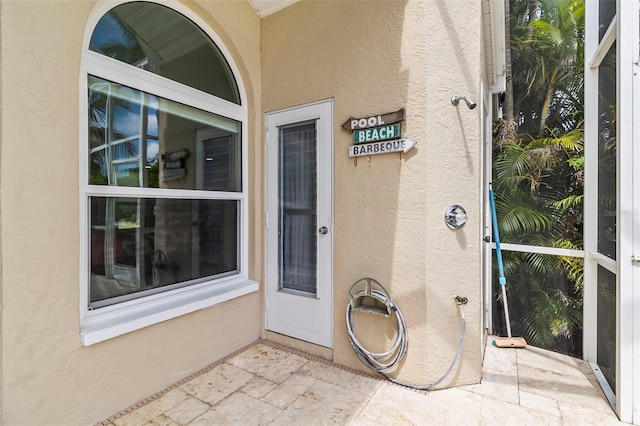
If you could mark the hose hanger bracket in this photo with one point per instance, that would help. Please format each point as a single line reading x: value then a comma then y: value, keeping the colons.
x: 368, y: 295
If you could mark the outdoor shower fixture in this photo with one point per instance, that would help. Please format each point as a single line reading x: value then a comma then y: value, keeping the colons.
x: 469, y: 102
x: 455, y: 217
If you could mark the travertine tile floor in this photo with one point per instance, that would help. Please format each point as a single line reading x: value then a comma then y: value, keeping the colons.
x: 268, y: 384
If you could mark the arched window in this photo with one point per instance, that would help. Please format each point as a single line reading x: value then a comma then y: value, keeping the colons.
x: 164, y: 192
x: 159, y: 40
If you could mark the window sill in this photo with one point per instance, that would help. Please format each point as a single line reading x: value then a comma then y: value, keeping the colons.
x: 103, y: 326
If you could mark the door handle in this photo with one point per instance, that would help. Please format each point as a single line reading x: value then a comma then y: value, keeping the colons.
x: 323, y: 230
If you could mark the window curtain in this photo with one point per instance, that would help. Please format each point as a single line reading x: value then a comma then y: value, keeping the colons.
x: 297, y: 207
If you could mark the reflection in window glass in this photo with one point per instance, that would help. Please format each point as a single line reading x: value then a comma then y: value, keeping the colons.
x: 159, y: 40
x: 607, y: 325
x: 126, y: 149
x: 126, y: 115
x: 141, y: 140
x: 607, y: 142
x: 139, y: 245
x: 127, y: 174
x: 216, y: 161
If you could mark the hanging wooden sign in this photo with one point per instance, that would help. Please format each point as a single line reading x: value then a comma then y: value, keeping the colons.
x: 374, y: 121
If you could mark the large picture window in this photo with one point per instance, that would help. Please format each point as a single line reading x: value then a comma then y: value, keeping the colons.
x: 163, y: 194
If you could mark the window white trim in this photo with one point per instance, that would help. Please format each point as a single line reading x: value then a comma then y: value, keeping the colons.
x: 97, y: 325
x: 109, y: 69
x: 139, y: 313
x: 127, y: 191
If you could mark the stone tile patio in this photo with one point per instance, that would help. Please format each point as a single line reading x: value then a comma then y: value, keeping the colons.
x: 268, y: 384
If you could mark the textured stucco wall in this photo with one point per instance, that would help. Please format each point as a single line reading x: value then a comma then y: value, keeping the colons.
x: 48, y: 377
x: 376, y: 57
x: 371, y: 57
x: 454, y: 168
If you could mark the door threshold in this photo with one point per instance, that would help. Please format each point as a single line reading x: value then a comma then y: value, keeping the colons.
x: 300, y: 345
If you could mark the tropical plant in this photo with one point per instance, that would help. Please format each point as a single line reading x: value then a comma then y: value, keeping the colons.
x: 538, y: 171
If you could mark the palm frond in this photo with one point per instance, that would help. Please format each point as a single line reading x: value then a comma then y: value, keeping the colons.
x: 569, y: 202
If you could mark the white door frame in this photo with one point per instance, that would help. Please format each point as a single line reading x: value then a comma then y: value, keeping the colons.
x: 301, y: 316
x: 486, y: 119
x: 635, y: 217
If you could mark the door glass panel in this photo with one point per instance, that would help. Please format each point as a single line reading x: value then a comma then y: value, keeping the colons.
x: 607, y: 141
x: 607, y: 325
x: 297, y: 208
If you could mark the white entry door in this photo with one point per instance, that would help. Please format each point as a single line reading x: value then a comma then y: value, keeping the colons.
x: 300, y: 223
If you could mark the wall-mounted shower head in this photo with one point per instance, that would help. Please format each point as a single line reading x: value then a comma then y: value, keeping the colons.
x: 469, y: 102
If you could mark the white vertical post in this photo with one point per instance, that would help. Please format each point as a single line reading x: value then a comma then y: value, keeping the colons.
x: 627, y: 45
x: 634, y: 16
x: 591, y: 183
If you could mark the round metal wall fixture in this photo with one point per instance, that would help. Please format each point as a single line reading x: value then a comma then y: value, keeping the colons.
x: 455, y: 217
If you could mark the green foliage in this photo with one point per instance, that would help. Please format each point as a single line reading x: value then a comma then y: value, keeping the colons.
x: 547, y: 54
x: 538, y: 172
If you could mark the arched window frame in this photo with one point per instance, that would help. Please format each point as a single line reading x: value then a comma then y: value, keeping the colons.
x: 110, y: 321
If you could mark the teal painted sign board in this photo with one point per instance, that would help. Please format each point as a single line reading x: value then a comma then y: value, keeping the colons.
x: 376, y: 134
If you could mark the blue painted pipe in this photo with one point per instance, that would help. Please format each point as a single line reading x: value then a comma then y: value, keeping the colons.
x: 496, y: 237
x: 502, y: 280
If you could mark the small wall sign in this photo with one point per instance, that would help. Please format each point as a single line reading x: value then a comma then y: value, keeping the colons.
x: 174, y: 165
x: 377, y: 134
x: 400, y: 145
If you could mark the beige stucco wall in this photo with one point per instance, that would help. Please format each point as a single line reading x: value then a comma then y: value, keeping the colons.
x: 370, y: 57
x: 48, y: 377
x: 376, y: 57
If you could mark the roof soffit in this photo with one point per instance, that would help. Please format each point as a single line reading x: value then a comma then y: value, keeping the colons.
x: 267, y: 7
